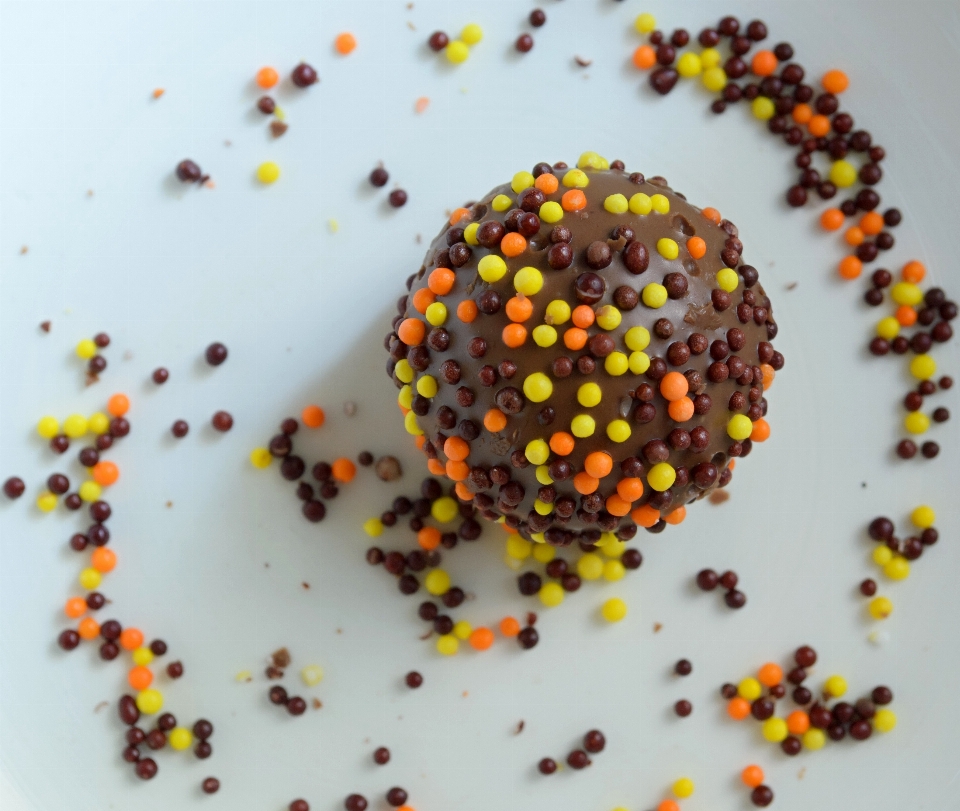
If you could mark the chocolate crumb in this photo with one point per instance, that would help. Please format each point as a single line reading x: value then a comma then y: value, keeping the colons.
x: 719, y: 496
x: 305, y: 584
x: 792, y: 285
x: 273, y: 672
x: 583, y: 62
x: 101, y: 705
x: 418, y: 239
x: 169, y: 504
x: 45, y: 326
x: 281, y: 658
x: 801, y: 773
x: 531, y: 618
x: 317, y: 703
x: 23, y: 250
x: 92, y: 377
x: 657, y: 627
x: 350, y: 408
x: 278, y: 128
x: 388, y: 468
x: 411, y: 26
x: 520, y: 727
x: 89, y: 192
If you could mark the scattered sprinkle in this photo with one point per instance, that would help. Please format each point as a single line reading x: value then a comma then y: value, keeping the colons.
x: 422, y: 103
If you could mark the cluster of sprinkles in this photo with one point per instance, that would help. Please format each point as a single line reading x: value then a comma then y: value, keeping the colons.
x: 378, y: 179
x: 813, y: 123
x: 89, y: 350
x: 537, y: 18
x: 456, y: 50
x: 303, y: 75
x: 593, y: 743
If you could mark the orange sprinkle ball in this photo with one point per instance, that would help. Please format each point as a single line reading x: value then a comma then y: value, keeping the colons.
x: 819, y: 125
x: 617, y: 506
x: 562, y: 443
x: 131, y: 638
x: 467, y: 311
x: 458, y: 214
x: 697, y: 247
x: 436, y: 467
x: 738, y: 708
x: 669, y: 805
x: 158, y: 92
x: 575, y: 338
x: 835, y: 81
x: 674, y: 386
x: 423, y: 298
x: 585, y: 484
x: 494, y: 420
x: 764, y: 63
x: 770, y: 675
x: 761, y: 431
x: 854, y: 236
x: 769, y: 373
x: 267, y: 78
x: 344, y: 470
x: 463, y: 492
x: 644, y: 57
x: 798, y: 722
x: 76, y: 607
x: 412, y: 331
x: 752, y: 776
x: 140, y: 677
x: 906, y: 316
x: 514, y: 335
x: 509, y: 626
x: 913, y: 272
x: 598, y: 464
x: 441, y: 281
x: 481, y: 639
x: 313, y: 416
x: 456, y: 449
x: 88, y: 628
x: 345, y: 43
x: 850, y: 267
x: 583, y: 316
x: 118, y: 405
x: 519, y: 308
x: 103, y: 560
x: 419, y: 441
x: 681, y: 410
x: 457, y: 471
x: 513, y: 244
x: 645, y: 516
x: 676, y: 516
x: 802, y: 113
x: 573, y: 200
x: 712, y: 214
x: 871, y: 223
x: 428, y: 538
x: 630, y: 489
x: 832, y: 219
x: 105, y: 473
x: 547, y: 183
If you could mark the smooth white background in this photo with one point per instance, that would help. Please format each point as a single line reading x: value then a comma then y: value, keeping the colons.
x: 166, y: 269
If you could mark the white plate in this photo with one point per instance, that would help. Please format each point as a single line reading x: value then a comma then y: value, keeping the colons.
x: 165, y: 270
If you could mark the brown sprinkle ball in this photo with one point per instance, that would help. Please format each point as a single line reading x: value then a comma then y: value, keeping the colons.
x: 304, y: 75
x: 188, y: 172
x: 379, y: 177
x: 413, y: 680
x: 299, y: 805
x: 594, y: 741
x: 381, y: 756
x: 215, y: 354
x: 524, y: 44
x: 355, y: 802
x: 438, y: 41
x: 14, y: 487
x: 683, y: 667
x: 547, y: 766
x: 180, y: 429
x: 397, y: 198
x: 210, y: 786
x: 396, y: 796
x: 578, y: 759
x: 222, y: 421
x: 683, y: 708
x: 538, y: 17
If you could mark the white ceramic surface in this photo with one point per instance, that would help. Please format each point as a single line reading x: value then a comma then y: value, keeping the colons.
x: 166, y: 269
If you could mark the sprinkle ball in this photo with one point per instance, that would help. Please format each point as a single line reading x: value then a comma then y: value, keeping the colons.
x: 583, y: 351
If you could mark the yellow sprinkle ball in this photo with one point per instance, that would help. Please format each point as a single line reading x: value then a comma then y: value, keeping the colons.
x: 404, y: 371
x: 885, y: 720
x: 537, y: 387
x: 616, y: 204
x: 923, y: 517
x: 728, y: 279
x: 661, y: 476
x: 436, y: 314
x: 888, y: 328
x: 616, y: 364
x: 470, y: 233
x: 521, y: 181
x: 774, y: 730
x: 558, y: 312
x: 544, y: 335
x: 89, y: 491
x: 589, y: 395
x: 457, y: 51
x: 843, y: 174
x: 654, y: 295
x: 749, y: 689
x: 576, y: 178
x: 639, y: 362
x: 537, y: 451
x: 906, y: 293
x: 528, y: 281
x: 668, y: 248
x: 268, y: 172
x: 591, y: 160
x: 543, y: 475
x: 542, y: 507
x: 689, y: 65
x: 714, y: 77
x: 923, y: 367
x: 261, y: 457
x: 471, y: 34
x: 916, y: 422
x: 142, y: 656
x: 543, y: 552
x: 645, y: 23
x: 582, y: 426
x: 373, y: 527
x: 814, y: 739
x: 411, y: 424
x: 739, y: 427
x: 882, y: 555
x: 763, y: 108
x: 462, y: 630
x: 48, y: 427
x: 491, y: 268
x: 180, y: 738
x: 835, y: 686
x: 551, y: 594
x: 86, y: 349
x: 427, y: 386
x: 619, y: 431
x: 150, y: 701
x: 46, y: 501
x: 898, y: 568
x: 683, y: 788
x: 551, y: 212
x: 437, y: 582
x: 637, y: 338
x: 75, y: 426
x: 448, y: 644
x: 614, y: 610
x: 405, y: 396
x: 880, y: 608
x: 90, y: 579
x: 613, y: 570
x: 518, y: 548
x: 608, y: 317
x: 660, y: 204
x: 590, y: 566
x: 640, y: 203
x: 444, y: 509
x: 98, y: 423
x: 501, y: 202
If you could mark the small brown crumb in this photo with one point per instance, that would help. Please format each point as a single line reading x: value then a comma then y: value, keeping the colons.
x: 801, y: 773
x: 388, y: 468
x: 411, y: 26
x: 45, y: 326
x: 89, y: 192
x: 317, y: 703
x: 583, y: 62
x: 418, y: 239
x: 719, y: 496
x: 102, y: 705
x: 422, y: 103
x: 158, y: 92
x: 169, y: 504
x: 23, y: 250
x: 426, y: 636
x: 228, y: 143
x: 409, y: 6
x: 92, y: 377
x: 128, y: 355
x: 531, y: 618
x: 792, y: 285
x: 278, y: 128
x: 273, y: 672
x: 305, y: 584
x: 657, y: 627
x: 339, y: 630
x: 520, y: 727
x: 466, y: 693
x: 350, y: 408
x: 281, y: 658
x: 209, y: 184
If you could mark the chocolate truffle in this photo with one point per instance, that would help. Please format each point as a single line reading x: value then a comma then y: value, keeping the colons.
x: 604, y: 336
